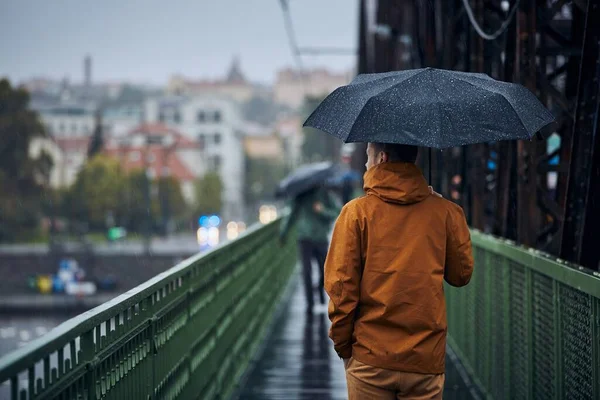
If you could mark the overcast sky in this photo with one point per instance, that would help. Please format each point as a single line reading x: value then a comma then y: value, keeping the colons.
x: 146, y: 41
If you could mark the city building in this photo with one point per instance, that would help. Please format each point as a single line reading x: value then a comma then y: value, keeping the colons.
x: 68, y: 157
x: 292, y: 86
x: 120, y: 120
x: 262, y: 142
x: 289, y: 130
x: 162, y: 152
x: 215, y: 123
x: 67, y: 120
x: 69, y: 113
x: 233, y: 85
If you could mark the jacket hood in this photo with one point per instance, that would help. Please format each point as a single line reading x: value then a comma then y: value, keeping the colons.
x: 396, y: 182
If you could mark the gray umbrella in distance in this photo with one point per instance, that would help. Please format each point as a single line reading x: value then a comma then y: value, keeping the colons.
x: 430, y: 108
x: 304, y: 178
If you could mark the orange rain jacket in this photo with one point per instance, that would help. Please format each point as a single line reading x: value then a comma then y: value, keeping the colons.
x: 390, y: 252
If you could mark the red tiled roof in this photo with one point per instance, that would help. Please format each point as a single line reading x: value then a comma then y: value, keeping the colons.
x: 156, y: 159
x: 154, y: 156
x: 162, y: 129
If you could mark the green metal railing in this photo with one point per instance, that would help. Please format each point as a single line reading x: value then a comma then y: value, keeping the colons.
x: 528, y: 325
x: 187, y: 333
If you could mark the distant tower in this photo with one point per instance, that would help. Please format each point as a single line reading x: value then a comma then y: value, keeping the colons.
x: 235, y: 74
x: 87, y: 67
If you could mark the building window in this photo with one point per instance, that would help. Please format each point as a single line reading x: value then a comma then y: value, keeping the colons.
x: 201, y: 116
x: 216, y: 162
x: 177, y: 117
x: 154, y: 139
x: 134, y: 156
x: 161, y: 116
x: 151, y: 158
x: 217, y: 116
x: 217, y: 138
x: 201, y: 139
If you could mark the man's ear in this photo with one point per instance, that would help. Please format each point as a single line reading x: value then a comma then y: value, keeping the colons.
x: 384, y: 157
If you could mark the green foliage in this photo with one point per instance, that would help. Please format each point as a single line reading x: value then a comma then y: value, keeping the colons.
x: 134, y: 213
x: 97, y: 142
x: 209, y: 194
x: 133, y: 201
x: 22, y: 178
x: 173, y: 203
x: 96, y: 193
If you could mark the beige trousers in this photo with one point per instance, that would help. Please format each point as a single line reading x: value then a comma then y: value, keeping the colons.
x: 371, y: 383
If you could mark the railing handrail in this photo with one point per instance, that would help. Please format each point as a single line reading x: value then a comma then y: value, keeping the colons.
x: 573, y: 275
x: 19, y: 359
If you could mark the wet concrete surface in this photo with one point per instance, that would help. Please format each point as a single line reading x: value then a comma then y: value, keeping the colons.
x: 299, y: 363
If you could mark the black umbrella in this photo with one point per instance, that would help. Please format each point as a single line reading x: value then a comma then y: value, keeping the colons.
x: 431, y: 108
x: 304, y: 178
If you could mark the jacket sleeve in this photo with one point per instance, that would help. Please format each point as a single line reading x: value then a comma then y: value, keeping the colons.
x: 343, y: 272
x: 459, y: 255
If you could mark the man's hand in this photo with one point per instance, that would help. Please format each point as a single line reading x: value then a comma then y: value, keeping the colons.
x: 433, y: 192
x: 318, y: 207
x: 346, y: 362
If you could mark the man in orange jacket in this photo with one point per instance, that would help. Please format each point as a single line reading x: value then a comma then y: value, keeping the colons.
x: 390, y: 253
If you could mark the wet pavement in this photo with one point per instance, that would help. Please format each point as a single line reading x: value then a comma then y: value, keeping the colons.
x: 299, y: 363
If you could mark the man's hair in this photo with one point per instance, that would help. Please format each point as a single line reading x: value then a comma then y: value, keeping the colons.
x: 398, y: 152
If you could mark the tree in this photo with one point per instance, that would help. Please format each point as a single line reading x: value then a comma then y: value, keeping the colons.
x: 209, y: 193
x: 317, y: 145
x: 134, y: 213
x: 172, y: 204
x: 97, y: 191
x: 97, y: 141
x: 22, y: 178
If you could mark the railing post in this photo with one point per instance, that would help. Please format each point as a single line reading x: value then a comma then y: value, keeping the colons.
x: 595, y: 320
x: 558, y: 341
x: 529, y: 314
x: 506, y: 277
x: 153, y: 349
x: 488, y: 277
x: 87, y: 354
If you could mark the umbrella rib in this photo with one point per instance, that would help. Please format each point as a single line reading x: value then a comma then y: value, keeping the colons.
x: 443, y: 112
x: 510, y: 106
x: 376, y: 96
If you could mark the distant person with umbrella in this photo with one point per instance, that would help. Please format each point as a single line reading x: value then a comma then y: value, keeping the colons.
x: 392, y: 249
x: 313, y: 211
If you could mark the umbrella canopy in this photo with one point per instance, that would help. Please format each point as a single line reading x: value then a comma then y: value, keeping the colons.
x: 304, y: 178
x: 430, y: 108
